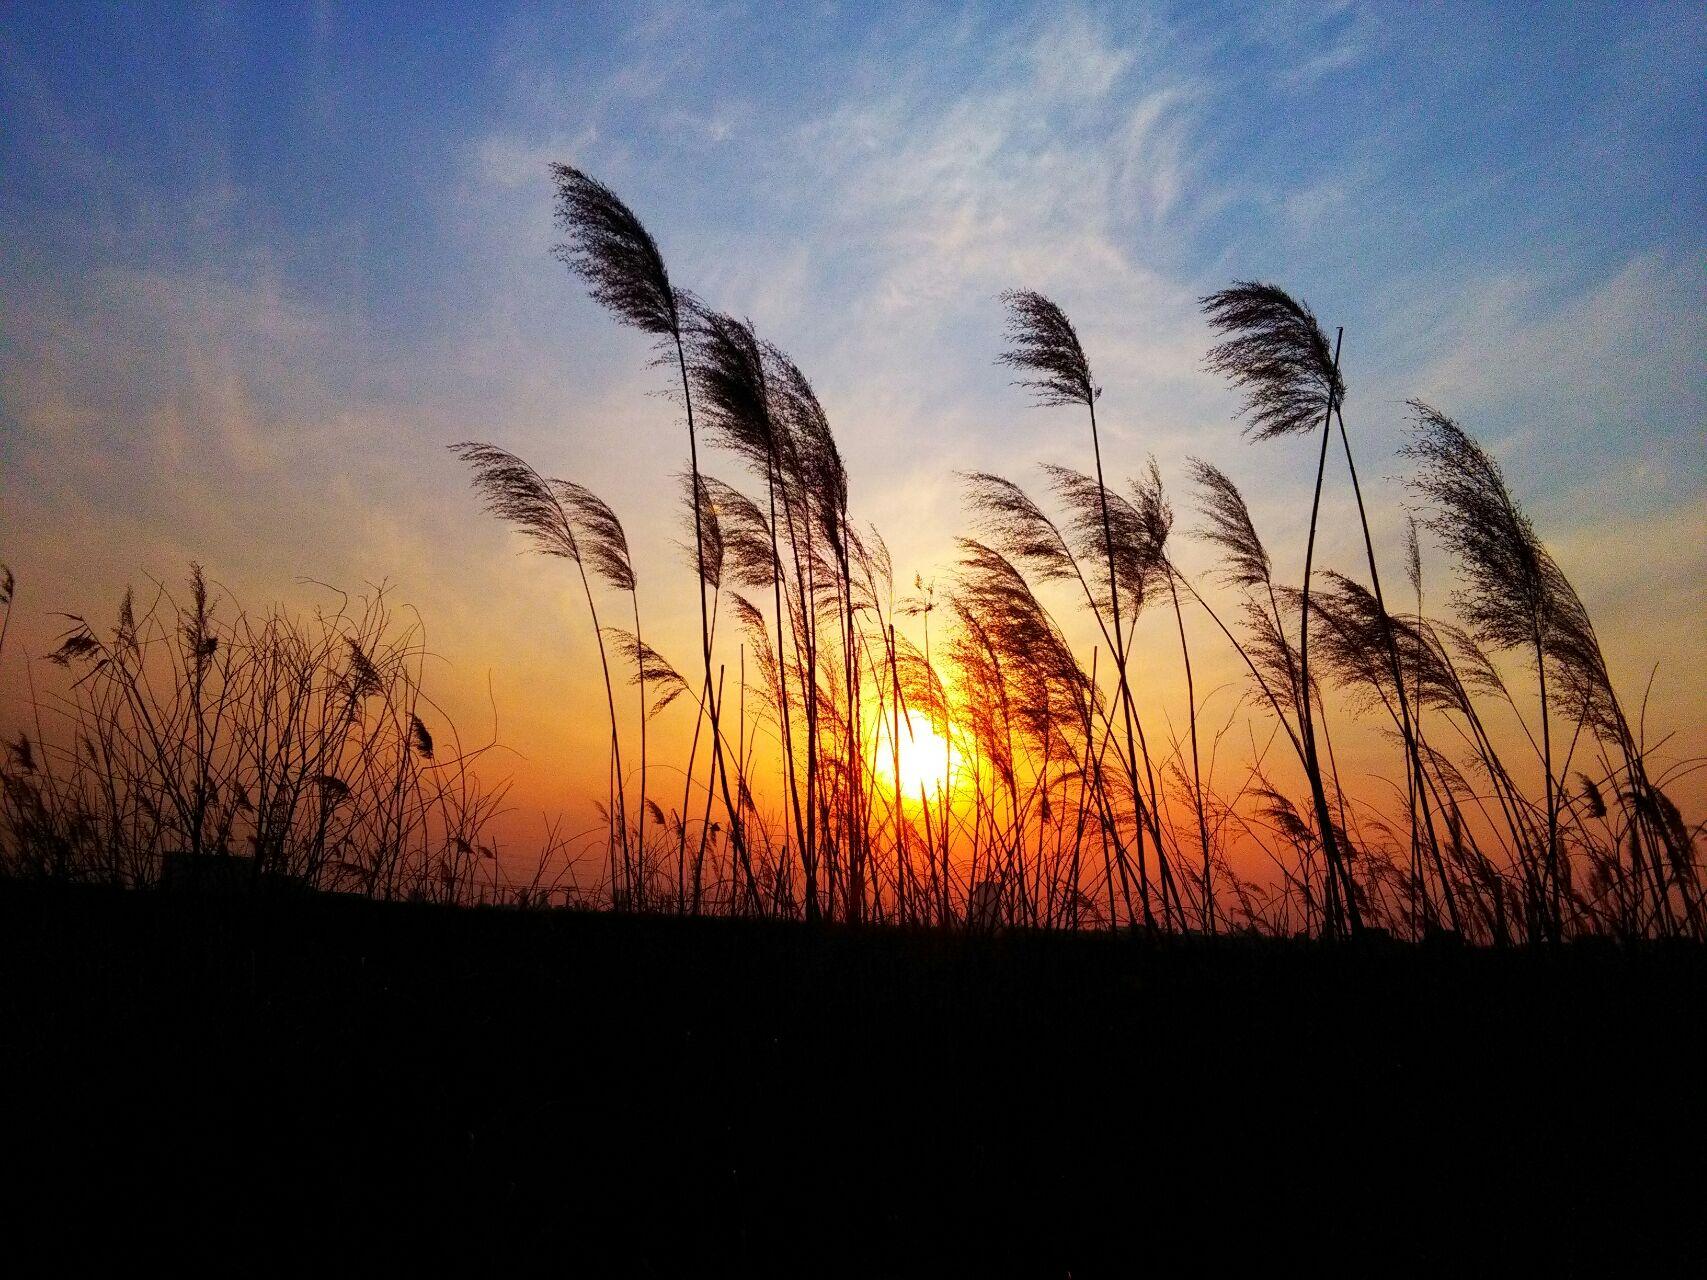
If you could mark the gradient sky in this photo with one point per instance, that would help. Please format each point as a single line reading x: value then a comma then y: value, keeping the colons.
x: 259, y: 265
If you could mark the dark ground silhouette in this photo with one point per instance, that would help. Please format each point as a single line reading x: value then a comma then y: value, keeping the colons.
x: 322, y: 1082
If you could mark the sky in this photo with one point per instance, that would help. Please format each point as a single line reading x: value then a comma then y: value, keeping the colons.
x: 260, y: 264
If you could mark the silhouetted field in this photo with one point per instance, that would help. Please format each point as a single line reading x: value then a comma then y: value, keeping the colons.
x: 332, y: 1083
x: 1527, y: 801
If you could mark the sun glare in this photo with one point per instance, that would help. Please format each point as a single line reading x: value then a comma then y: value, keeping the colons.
x: 928, y: 761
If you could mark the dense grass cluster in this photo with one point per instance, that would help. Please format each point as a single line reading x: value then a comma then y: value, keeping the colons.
x: 299, y: 743
x: 276, y: 750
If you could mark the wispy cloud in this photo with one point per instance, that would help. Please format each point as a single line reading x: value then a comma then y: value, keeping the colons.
x: 1613, y: 367
x: 1313, y: 41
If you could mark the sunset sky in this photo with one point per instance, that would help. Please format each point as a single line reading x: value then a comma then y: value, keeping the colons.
x: 259, y: 266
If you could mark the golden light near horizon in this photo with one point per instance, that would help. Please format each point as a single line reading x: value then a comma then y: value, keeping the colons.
x: 928, y: 760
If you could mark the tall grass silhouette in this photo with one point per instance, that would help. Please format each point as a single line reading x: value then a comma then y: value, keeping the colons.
x: 274, y: 749
x: 1048, y: 800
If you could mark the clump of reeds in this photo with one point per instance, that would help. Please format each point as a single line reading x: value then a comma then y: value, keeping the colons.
x: 1061, y: 811
x: 292, y: 749
x: 307, y: 747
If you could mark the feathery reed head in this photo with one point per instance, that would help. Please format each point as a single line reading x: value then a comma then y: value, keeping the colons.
x: 1132, y: 533
x: 1279, y: 811
x: 702, y: 508
x: 609, y: 249
x: 651, y: 668
x: 1515, y: 596
x: 1277, y: 354
x: 1044, y: 344
x: 599, y: 533
x: 516, y: 493
x: 76, y: 645
x: 820, y: 473
x: 1014, y: 626
x: 744, y: 535
x: 1155, y: 513
x: 734, y: 392
x: 1353, y: 643
x: 1592, y: 799
x: 363, y: 677
x: 758, y: 640
x: 1510, y: 575
x: 1271, y: 652
x: 1579, y: 666
x: 1413, y: 556
x: 1230, y: 526
x: 1017, y: 525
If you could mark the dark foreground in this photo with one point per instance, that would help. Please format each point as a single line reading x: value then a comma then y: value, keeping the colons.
x: 330, y: 1084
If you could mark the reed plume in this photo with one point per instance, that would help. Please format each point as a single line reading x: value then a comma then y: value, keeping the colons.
x: 1018, y: 527
x: 1156, y: 519
x: 1137, y: 535
x: 1516, y: 597
x: 704, y: 516
x: 1043, y: 344
x: 1229, y: 527
x: 549, y: 514
x: 601, y: 538
x: 521, y: 497
x: 1043, y: 776
x: 732, y: 374
x: 609, y: 248
x: 8, y: 586
x: 1513, y: 589
x: 650, y: 668
x: 1278, y: 355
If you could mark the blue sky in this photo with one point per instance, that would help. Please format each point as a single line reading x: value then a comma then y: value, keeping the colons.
x: 258, y: 264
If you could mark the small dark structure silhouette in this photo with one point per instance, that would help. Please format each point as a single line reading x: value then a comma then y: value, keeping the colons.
x: 222, y: 875
x: 207, y: 873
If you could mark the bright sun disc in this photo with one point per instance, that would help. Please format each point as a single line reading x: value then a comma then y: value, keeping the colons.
x: 927, y: 759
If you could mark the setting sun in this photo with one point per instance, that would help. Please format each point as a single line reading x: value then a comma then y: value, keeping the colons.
x: 928, y: 760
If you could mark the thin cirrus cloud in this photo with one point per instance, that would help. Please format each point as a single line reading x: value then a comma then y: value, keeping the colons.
x: 251, y: 348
